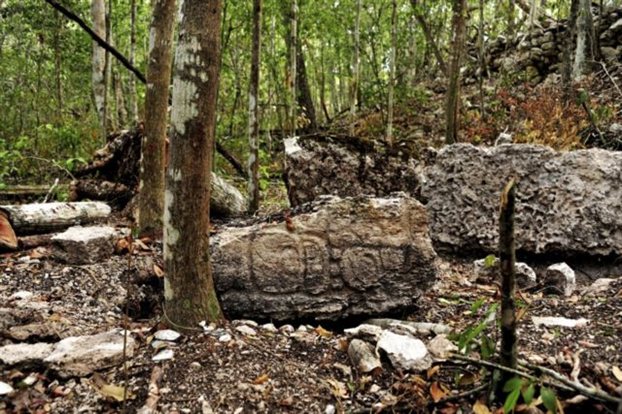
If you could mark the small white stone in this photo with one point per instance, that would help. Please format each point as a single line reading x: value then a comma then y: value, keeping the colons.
x: 5, y: 388
x: 558, y: 321
x: 30, y: 379
x: 167, y: 335
x: 224, y: 338
x: 163, y: 355
x: 195, y: 365
x: 246, y: 330
x: 21, y: 295
x: 286, y: 329
x: 561, y: 276
x: 269, y: 327
x: 330, y: 409
x: 405, y: 352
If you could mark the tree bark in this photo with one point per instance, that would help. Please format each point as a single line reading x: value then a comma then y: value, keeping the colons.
x: 567, y: 51
x: 293, y: 40
x: 453, y: 91
x: 58, y: 67
x: 355, y: 68
x: 188, y: 284
x: 585, y: 40
x: 303, y: 96
x: 98, y: 14
x: 507, y: 257
x: 133, y: 96
x: 152, y: 161
x: 253, y: 112
x: 389, y: 137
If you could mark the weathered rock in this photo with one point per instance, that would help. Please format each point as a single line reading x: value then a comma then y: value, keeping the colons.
x: 5, y: 388
x: 226, y: 200
x: 525, y: 275
x: 405, y: 352
x: 566, y: 202
x: 561, y: 278
x: 440, y: 347
x: 365, y: 331
x: 599, y: 286
x: 363, y: 356
x: 345, y: 167
x: 353, y: 256
x: 410, y: 327
x: 83, y: 245
x: 20, y: 354
x: 559, y: 321
x: 82, y: 355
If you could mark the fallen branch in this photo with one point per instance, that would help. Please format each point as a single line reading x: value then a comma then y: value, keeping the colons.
x: 154, y: 392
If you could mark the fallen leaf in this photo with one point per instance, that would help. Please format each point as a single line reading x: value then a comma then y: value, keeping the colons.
x: 433, y: 371
x: 113, y: 391
x: 480, y: 408
x: 323, y: 332
x: 617, y: 372
x: 262, y: 379
x: 121, y: 246
x: 337, y: 388
x: 158, y: 271
x: 437, y: 392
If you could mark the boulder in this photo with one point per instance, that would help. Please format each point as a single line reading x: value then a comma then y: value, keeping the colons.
x: 83, y: 245
x: 561, y: 278
x: 340, y: 258
x: 345, y: 167
x: 525, y: 275
x: 566, y: 202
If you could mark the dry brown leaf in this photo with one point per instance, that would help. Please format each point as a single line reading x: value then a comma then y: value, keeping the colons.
x: 110, y: 391
x: 337, y: 388
x: 262, y: 379
x: 158, y: 270
x: 323, y: 332
x: 437, y: 392
x: 617, y: 372
x: 480, y: 408
x: 433, y: 371
x: 122, y: 246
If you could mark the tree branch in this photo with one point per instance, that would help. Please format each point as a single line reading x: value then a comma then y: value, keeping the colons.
x: 101, y: 42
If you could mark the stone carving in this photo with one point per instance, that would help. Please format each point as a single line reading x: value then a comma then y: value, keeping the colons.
x: 345, y: 167
x: 352, y: 256
x: 566, y: 202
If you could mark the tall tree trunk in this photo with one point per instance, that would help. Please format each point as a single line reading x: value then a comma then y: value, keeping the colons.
x: 58, y: 66
x: 117, y: 80
x: 189, y: 291
x: 253, y: 112
x: 152, y: 162
x: 109, y: 119
x: 132, y: 57
x: 568, y: 48
x: 293, y: 42
x: 482, y: 59
x: 392, y: 64
x: 586, y: 43
x: 98, y: 13
x: 453, y: 91
x: 355, y: 66
x: 304, y: 98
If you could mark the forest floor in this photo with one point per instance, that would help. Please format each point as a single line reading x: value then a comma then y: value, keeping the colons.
x: 243, y: 367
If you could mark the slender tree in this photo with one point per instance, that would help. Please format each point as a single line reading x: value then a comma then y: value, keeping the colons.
x: 292, y: 114
x: 586, y: 44
x: 568, y: 48
x: 151, y: 198
x: 189, y: 291
x: 253, y: 111
x: 392, y: 64
x: 98, y: 14
x: 132, y: 57
x: 356, y: 62
x: 453, y: 91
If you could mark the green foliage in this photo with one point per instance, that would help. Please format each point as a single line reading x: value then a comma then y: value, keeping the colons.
x: 513, y: 388
x: 517, y: 387
x: 474, y: 335
x: 489, y: 261
x: 549, y: 399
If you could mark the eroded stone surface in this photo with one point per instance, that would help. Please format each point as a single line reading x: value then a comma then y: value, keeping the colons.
x: 324, y: 165
x: 83, y: 245
x: 353, y: 256
x: 566, y: 202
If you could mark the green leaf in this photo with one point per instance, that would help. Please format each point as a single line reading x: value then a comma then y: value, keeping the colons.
x: 528, y: 393
x: 511, y: 400
x: 549, y: 399
x: 513, y: 384
x: 476, y: 305
x: 489, y: 261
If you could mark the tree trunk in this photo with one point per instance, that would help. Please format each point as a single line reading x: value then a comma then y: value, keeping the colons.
x: 58, y: 66
x: 507, y: 258
x: 389, y: 137
x: 355, y: 66
x: 567, y: 50
x: 109, y: 119
x: 293, y: 27
x: 253, y: 112
x: 133, y: 97
x: 304, y: 97
x: 98, y: 13
x: 151, y: 187
x: 188, y: 284
x: 584, y: 51
x: 482, y: 60
x: 453, y: 91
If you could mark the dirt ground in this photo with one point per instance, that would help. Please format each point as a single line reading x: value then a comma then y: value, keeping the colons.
x: 256, y: 366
